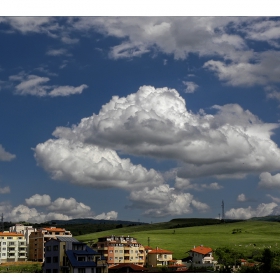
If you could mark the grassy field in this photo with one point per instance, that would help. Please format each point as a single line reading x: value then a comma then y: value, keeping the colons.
x: 20, y: 267
x: 251, y: 236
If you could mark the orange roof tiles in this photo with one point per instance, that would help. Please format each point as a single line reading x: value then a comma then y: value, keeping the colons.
x: 54, y: 229
x: 148, y: 248
x: 202, y: 250
x: 160, y: 251
x: 10, y: 234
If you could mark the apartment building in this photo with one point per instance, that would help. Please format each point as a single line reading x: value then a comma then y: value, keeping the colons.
x: 120, y: 249
x: 13, y: 247
x: 25, y: 230
x: 39, y: 237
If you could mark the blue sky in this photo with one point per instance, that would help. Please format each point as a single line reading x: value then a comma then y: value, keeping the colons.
x: 139, y: 118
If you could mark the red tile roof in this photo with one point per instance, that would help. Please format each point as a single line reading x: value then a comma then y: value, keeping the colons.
x: 131, y: 265
x: 54, y: 229
x: 160, y: 251
x: 148, y: 248
x: 202, y: 250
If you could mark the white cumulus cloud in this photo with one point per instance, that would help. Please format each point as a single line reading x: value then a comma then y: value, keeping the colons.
x: 164, y: 201
x: 38, y: 200
x: 269, y: 181
x: 247, y: 213
x: 112, y: 215
x: 90, y: 165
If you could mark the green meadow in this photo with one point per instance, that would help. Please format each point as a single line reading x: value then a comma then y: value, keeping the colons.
x: 247, y: 237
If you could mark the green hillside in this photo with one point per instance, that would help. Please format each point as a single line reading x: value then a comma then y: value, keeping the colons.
x: 248, y: 237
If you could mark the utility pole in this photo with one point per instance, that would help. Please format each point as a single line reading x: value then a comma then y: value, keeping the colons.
x: 2, y: 223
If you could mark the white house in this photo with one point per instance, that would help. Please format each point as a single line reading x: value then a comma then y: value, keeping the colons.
x: 202, y: 255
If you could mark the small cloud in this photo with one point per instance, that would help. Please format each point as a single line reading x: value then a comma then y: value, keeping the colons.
x: 191, y: 87
x: 5, y: 190
x: 212, y: 186
x: 5, y: 156
x: 112, y: 215
x: 57, y: 52
x: 241, y: 197
x: 165, y: 62
x: 36, y: 85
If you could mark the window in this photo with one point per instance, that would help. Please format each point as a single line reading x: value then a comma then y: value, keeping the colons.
x: 110, y: 258
x: 121, y: 251
x: 4, y: 249
x: 48, y: 271
x: 111, y: 251
x: 55, y: 271
x: 81, y: 259
x: 131, y: 251
x: 116, y: 251
x: 48, y: 248
x: 165, y: 256
x: 136, y: 252
x: 3, y: 254
x: 4, y: 243
x: 55, y: 259
x: 55, y: 247
x: 116, y: 258
x: 120, y: 258
x: 81, y: 270
x: 10, y: 238
x: 48, y: 259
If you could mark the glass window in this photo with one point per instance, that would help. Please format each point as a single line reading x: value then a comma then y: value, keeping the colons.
x: 55, y: 271
x: 48, y: 259
x: 81, y: 270
x: 3, y: 254
x: 55, y: 259
x: 55, y: 247
x: 48, y: 248
x: 48, y: 271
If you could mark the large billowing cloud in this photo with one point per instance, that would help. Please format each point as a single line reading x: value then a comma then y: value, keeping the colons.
x: 247, y: 213
x: 155, y: 122
x: 4, y: 155
x: 90, y: 165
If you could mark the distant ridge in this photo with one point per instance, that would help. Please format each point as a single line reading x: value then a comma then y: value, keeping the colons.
x: 93, y: 221
x: 272, y: 218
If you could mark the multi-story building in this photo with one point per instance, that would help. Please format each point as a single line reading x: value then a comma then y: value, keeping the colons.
x: 13, y: 247
x: 38, y: 238
x: 120, y: 249
x: 55, y: 253
x: 25, y: 230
